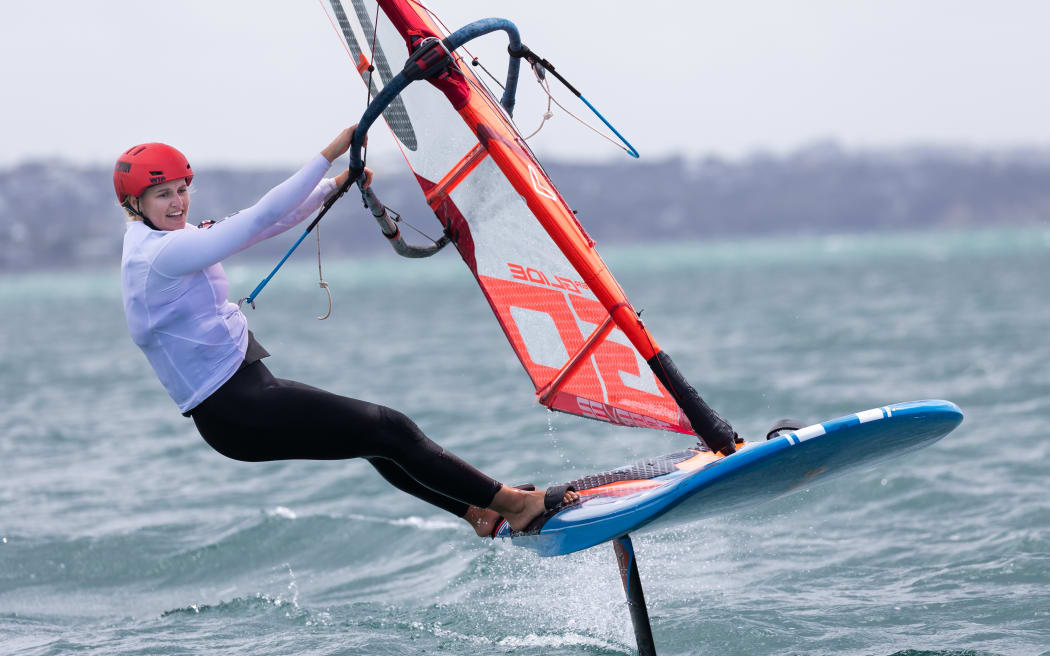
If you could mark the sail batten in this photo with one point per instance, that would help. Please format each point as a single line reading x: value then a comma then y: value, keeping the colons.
x: 455, y: 175
x: 570, y: 367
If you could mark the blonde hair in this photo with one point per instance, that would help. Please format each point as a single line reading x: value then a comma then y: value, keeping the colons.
x: 126, y: 206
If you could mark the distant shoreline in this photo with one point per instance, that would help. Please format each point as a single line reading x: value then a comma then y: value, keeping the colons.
x: 61, y: 215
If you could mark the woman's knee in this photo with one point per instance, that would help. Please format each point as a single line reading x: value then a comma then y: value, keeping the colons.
x: 395, y: 421
x: 399, y: 429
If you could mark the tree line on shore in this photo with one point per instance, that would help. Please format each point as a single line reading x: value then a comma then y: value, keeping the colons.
x: 58, y: 214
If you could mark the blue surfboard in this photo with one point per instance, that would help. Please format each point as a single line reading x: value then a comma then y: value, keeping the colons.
x: 693, y: 484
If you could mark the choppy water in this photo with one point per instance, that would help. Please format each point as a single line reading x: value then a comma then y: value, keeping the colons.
x: 121, y: 532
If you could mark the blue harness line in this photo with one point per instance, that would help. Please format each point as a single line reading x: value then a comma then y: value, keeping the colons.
x: 250, y: 298
x: 630, y: 149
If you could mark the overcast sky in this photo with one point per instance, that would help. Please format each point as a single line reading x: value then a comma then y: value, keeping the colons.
x: 267, y: 83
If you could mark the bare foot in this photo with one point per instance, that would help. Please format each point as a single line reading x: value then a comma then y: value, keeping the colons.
x: 520, y: 507
x: 482, y: 520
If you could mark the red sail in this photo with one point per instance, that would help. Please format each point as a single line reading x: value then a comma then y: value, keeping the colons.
x: 564, y: 314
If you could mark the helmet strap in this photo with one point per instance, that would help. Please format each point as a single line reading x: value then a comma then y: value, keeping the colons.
x: 149, y: 224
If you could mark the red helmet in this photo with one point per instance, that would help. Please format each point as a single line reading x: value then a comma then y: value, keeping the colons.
x: 148, y: 164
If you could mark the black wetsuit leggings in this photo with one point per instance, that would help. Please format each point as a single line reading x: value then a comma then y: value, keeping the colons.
x: 256, y: 417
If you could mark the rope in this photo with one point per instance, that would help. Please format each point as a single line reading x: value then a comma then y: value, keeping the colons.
x: 320, y: 277
x: 477, y: 62
x: 547, y: 115
x: 397, y: 218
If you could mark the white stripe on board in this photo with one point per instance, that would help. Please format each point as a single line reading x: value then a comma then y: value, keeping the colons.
x: 809, y: 432
x: 870, y: 415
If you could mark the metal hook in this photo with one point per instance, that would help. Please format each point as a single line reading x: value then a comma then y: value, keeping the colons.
x: 324, y: 286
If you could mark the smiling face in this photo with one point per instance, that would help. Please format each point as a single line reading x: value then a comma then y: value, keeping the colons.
x: 167, y: 204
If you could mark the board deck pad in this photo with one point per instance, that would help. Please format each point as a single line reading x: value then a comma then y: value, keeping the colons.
x: 639, y: 471
x: 692, y: 484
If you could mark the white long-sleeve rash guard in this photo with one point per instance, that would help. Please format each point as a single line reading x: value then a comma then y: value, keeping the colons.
x: 175, y: 290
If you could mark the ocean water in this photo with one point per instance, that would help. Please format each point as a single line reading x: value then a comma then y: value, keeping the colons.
x: 122, y: 532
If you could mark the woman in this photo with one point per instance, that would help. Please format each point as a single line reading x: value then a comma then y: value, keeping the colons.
x: 201, y: 349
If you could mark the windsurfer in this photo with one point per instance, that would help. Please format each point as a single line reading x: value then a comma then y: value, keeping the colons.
x: 199, y: 345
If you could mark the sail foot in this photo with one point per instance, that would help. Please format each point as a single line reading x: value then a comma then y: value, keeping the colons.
x: 710, y: 427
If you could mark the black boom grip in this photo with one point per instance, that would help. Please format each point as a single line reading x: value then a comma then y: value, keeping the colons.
x: 714, y: 431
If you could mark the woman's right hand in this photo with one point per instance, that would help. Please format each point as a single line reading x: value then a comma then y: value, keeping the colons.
x: 340, y: 144
x: 340, y: 179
